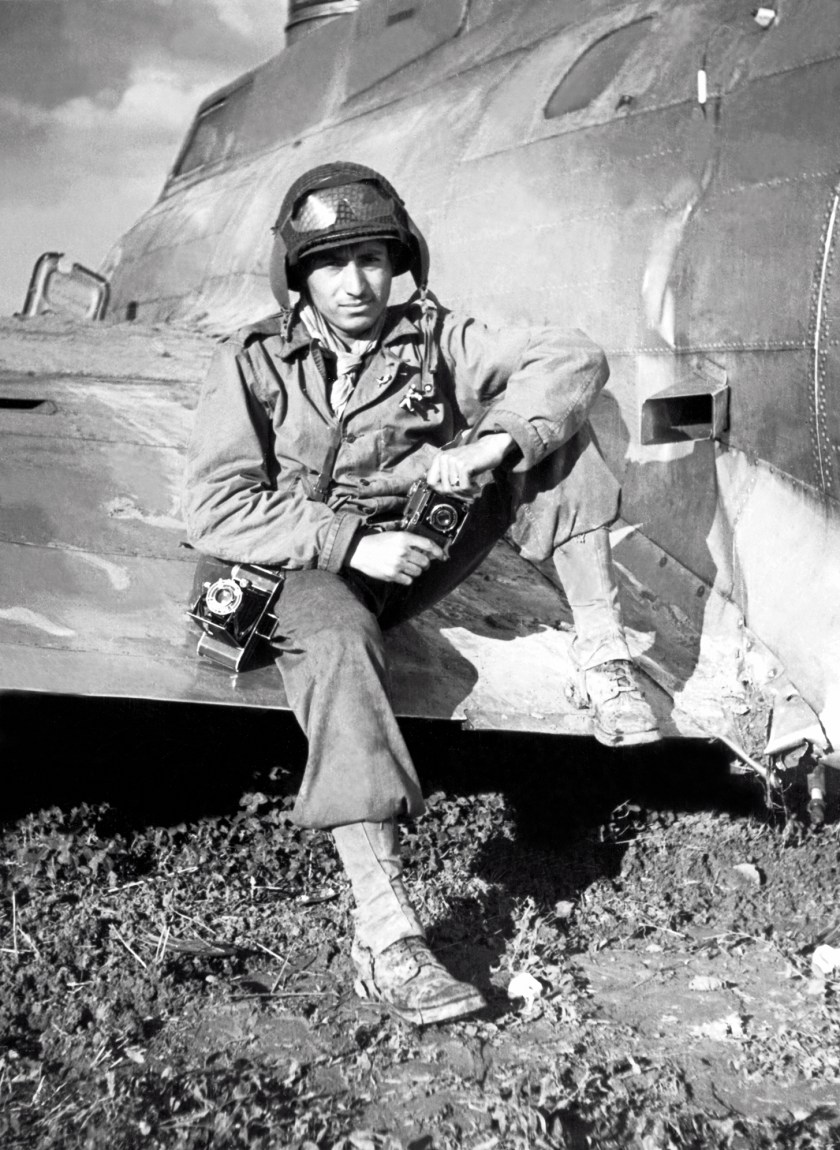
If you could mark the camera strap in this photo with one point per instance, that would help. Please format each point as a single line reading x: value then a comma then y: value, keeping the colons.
x: 322, y: 485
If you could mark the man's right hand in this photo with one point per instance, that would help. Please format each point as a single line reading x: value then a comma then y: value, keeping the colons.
x: 393, y: 556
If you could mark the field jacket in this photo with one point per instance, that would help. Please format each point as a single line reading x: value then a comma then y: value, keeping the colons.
x: 274, y: 478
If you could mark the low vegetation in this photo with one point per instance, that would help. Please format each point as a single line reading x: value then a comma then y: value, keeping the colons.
x: 173, y: 950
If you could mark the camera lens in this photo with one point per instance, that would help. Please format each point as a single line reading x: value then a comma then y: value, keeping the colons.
x: 224, y: 597
x: 443, y: 517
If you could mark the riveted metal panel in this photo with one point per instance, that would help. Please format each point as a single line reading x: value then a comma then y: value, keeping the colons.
x: 287, y: 103
x: 666, y: 228
x: 824, y: 390
x: 779, y: 129
x: 496, y: 656
x: 597, y: 69
x: 390, y: 33
x: 595, y: 201
x: 730, y: 292
x: 771, y: 405
x: 515, y: 28
x: 99, y: 410
x: 115, y: 498
x: 755, y: 266
x: 802, y: 36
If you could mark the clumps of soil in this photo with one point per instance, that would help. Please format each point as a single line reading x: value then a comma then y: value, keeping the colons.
x: 186, y: 984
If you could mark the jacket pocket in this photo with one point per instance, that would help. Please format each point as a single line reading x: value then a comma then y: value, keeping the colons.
x: 265, y: 386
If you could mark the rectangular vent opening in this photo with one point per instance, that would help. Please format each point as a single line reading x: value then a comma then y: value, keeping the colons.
x: 679, y: 417
x: 398, y: 17
x: 696, y: 407
x: 35, y: 406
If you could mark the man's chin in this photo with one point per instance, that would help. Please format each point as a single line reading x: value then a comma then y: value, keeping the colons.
x: 355, y: 326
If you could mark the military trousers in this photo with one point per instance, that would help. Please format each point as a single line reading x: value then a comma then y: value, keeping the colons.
x: 329, y: 645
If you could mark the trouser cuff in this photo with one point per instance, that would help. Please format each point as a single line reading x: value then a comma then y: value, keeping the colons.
x: 594, y: 653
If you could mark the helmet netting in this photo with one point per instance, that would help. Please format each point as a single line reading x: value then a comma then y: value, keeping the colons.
x: 342, y: 207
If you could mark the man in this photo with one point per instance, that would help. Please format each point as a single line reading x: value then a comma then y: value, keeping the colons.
x: 310, y: 430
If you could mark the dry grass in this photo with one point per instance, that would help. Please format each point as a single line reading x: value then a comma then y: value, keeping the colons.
x: 183, y: 983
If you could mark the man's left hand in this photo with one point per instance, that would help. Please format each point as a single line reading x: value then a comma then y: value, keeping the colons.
x: 455, y: 470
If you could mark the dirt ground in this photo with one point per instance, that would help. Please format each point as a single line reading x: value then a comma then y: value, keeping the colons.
x: 174, y: 968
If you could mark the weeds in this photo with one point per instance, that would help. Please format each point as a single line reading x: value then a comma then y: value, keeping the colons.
x: 187, y: 986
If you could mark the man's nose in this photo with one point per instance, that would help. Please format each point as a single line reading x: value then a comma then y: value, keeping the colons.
x: 352, y: 280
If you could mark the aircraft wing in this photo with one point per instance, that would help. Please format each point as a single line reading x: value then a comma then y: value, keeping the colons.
x: 96, y: 574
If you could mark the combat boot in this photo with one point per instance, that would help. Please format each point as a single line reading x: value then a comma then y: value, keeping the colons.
x: 621, y: 715
x: 408, y: 978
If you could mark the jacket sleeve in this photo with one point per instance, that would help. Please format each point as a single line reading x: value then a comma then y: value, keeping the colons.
x: 536, y: 384
x: 232, y: 507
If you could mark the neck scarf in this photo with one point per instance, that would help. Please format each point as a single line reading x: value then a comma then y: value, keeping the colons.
x: 350, y: 354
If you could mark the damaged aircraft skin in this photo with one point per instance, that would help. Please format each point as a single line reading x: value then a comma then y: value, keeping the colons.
x: 661, y: 173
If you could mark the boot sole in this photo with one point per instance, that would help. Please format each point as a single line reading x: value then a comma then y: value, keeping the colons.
x: 469, y: 1004
x: 631, y: 739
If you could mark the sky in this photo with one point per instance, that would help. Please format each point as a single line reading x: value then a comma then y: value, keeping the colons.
x: 95, y: 99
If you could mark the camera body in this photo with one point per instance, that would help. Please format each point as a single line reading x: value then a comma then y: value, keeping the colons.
x: 438, y: 517
x: 234, y: 611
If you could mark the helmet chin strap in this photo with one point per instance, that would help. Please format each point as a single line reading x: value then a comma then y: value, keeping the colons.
x: 429, y: 354
x: 429, y: 308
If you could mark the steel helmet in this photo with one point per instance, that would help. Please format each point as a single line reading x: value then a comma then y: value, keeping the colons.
x: 341, y: 203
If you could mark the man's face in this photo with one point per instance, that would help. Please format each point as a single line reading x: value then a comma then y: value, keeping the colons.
x: 350, y: 285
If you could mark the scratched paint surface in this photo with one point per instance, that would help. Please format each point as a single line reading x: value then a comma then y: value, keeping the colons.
x: 670, y: 231
x: 96, y: 580
x: 665, y: 228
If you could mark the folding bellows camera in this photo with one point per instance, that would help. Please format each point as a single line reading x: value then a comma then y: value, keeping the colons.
x: 438, y: 517
x: 235, y: 612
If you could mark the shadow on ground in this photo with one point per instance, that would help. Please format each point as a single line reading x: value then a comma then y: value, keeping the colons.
x: 669, y: 930
x: 170, y: 762
x: 574, y: 803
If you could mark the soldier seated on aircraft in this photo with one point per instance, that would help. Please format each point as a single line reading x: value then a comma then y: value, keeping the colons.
x: 311, y: 428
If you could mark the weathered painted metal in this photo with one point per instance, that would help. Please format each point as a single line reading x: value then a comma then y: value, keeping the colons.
x: 77, y: 291
x: 564, y: 170
x: 96, y: 577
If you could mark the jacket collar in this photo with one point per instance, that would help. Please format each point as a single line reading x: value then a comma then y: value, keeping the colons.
x: 400, y: 327
x: 277, y: 324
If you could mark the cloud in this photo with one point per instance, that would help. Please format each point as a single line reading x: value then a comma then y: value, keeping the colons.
x: 240, y: 16
x: 82, y: 138
x: 94, y: 171
x: 52, y: 51
x: 95, y: 99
